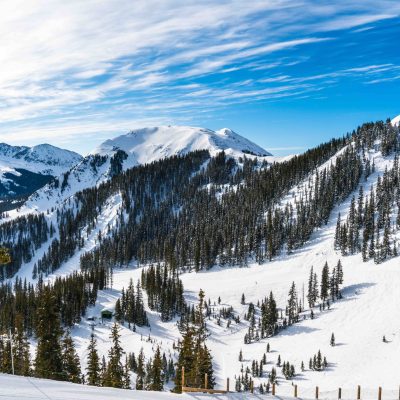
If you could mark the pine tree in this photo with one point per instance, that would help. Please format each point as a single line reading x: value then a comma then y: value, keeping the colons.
x: 157, y: 374
x: 140, y: 371
x: 115, y: 370
x: 70, y: 359
x: 21, y: 349
x: 194, y: 355
x: 332, y: 342
x: 48, y: 361
x: 118, y: 311
x: 126, y: 376
x: 324, y: 282
x: 292, y: 307
x: 272, y: 376
x: 93, y: 367
x: 310, y: 292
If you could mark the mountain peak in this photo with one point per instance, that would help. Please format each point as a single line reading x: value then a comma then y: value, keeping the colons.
x: 149, y: 144
x: 42, y: 158
x: 396, y: 120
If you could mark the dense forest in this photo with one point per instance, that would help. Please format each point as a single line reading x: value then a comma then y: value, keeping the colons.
x: 196, y: 211
x: 188, y: 213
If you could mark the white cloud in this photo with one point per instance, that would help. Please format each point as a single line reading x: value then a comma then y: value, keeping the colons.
x: 83, y: 59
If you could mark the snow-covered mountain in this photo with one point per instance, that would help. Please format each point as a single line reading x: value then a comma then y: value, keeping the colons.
x: 150, y: 144
x: 42, y: 159
x: 369, y: 290
x: 23, y: 170
x: 140, y: 146
x: 396, y: 121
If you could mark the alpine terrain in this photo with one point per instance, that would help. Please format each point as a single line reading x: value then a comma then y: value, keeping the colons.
x: 179, y: 248
x: 23, y: 170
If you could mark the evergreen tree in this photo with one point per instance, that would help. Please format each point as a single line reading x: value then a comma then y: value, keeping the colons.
x: 70, y: 359
x: 325, y: 283
x: 21, y: 349
x: 292, y: 308
x: 140, y: 371
x: 93, y: 367
x: 49, y: 360
x: 332, y: 342
x: 157, y: 374
x: 115, y: 369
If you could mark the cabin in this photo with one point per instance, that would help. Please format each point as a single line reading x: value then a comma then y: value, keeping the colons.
x: 106, y: 314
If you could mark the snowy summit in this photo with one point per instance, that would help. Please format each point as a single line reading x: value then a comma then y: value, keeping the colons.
x: 396, y: 121
x: 43, y: 159
x: 24, y: 169
x: 151, y: 144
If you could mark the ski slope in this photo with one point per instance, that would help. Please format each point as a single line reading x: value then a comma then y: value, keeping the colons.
x: 359, y: 321
x: 22, y: 388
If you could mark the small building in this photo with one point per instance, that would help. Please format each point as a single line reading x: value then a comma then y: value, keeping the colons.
x: 106, y: 314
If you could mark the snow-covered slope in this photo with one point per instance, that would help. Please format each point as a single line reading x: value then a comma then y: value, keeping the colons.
x: 150, y: 144
x: 359, y: 320
x: 396, y: 121
x: 23, y: 170
x: 23, y: 388
x: 43, y: 159
x: 139, y: 147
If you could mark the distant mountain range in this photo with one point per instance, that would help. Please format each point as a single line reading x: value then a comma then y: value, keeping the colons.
x: 23, y: 170
x: 137, y: 147
x: 295, y: 255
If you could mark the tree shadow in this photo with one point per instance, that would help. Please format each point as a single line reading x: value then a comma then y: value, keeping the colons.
x: 353, y: 291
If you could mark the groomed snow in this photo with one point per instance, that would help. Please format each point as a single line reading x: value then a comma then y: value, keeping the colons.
x: 359, y: 321
x: 18, y: 387
x: 368, y: 311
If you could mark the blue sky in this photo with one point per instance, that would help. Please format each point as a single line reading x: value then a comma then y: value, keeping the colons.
x: 285, y: 74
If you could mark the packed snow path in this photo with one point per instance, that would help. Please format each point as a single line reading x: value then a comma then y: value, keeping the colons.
x: 23, y: 388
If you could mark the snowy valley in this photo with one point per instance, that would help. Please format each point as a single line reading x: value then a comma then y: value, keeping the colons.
x: 102, y: 215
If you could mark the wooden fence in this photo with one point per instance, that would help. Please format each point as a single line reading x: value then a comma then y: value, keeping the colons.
x: 296, y: 392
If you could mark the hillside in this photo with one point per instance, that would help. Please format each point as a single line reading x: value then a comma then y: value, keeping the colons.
x: 141, y: 146
x: 150, y: 144
x: 24, y: 170
x: 232, y: 227
x: 13, y: 387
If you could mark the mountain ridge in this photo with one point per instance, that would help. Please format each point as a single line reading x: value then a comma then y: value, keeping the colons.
x: 152, y: 143
x: 24, y: 169
x: 141, y: 146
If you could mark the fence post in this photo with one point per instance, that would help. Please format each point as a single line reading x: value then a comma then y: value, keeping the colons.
x: 340, y: 394
x: 380, y: 393
x: 273, y: 389
x: 205, y: 381
x: 251, y: 386
x: 358, y: 392
x: 183, y: 377
x: 295, y: 390
x: 227, y: 385
x: 316, y: 392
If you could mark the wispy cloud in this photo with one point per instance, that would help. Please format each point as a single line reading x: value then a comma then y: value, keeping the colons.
x: 64, y: 64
